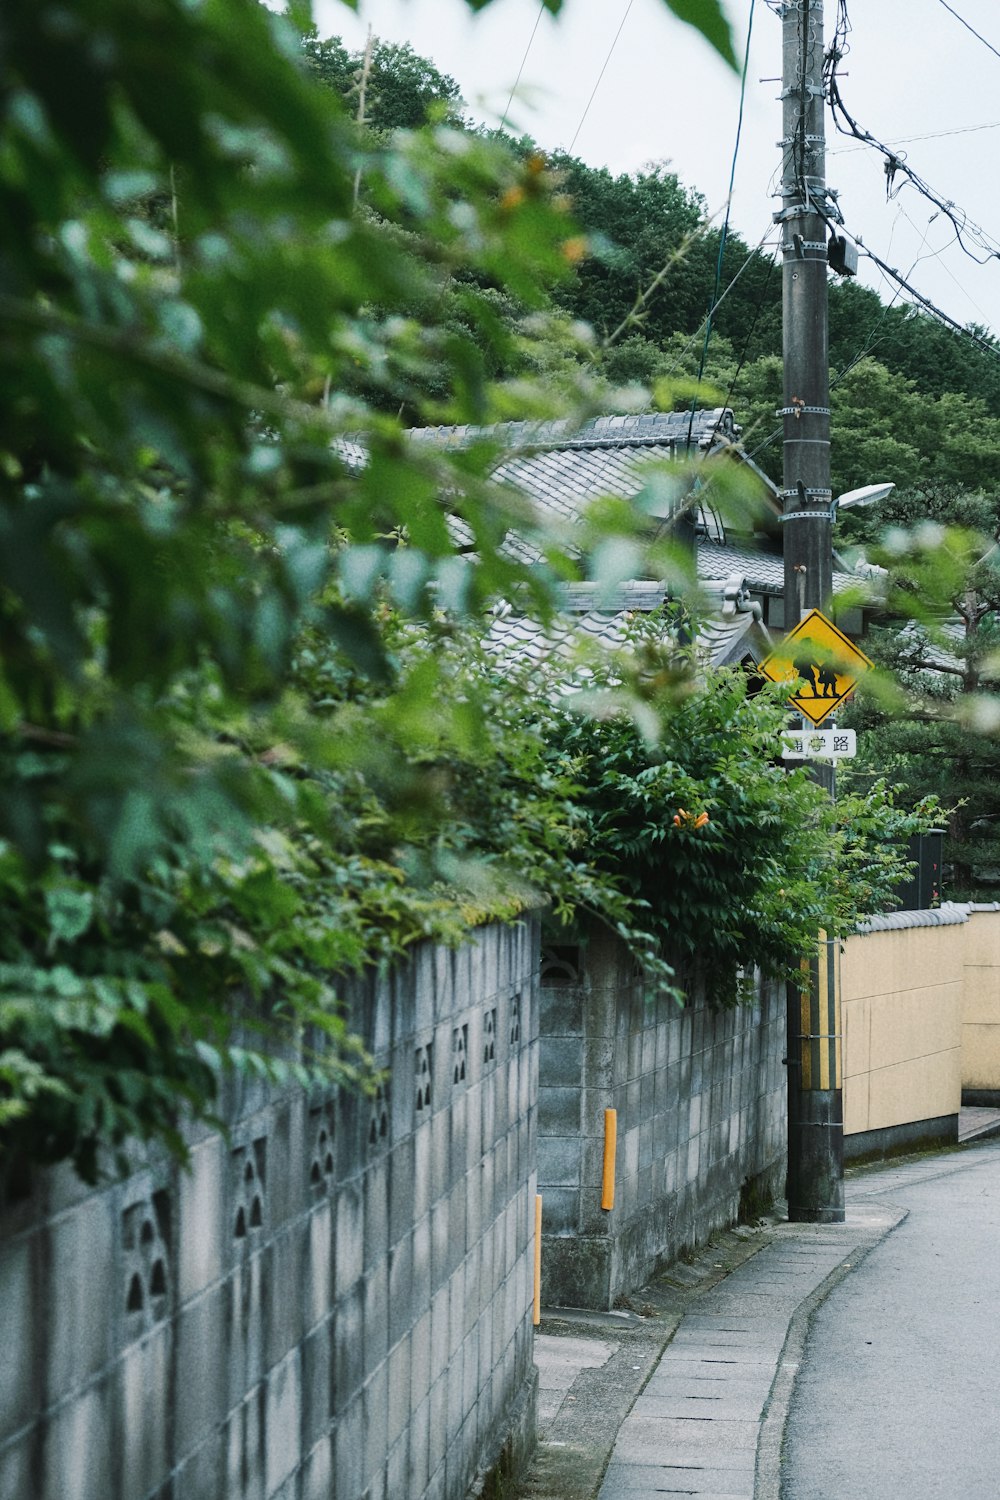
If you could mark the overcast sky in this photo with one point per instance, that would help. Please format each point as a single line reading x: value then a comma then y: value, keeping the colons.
x: 917, y: 78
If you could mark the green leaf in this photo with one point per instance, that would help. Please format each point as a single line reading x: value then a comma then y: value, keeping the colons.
x: 708, y: 17
x: 70, y: 912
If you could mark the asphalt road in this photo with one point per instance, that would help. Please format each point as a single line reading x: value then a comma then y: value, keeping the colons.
x: 897, y: 1394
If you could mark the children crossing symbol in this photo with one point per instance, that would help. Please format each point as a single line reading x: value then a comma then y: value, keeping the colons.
x: 825, y: 660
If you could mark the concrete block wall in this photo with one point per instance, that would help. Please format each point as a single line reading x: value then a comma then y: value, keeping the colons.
x: 335, y: 1300
x: 700, y: 1096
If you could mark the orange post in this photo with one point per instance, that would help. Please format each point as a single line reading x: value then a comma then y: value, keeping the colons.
x: 536, y: 1310
x: 610, y: 1146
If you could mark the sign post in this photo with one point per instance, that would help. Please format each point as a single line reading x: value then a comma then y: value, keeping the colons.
x: 825, y: 665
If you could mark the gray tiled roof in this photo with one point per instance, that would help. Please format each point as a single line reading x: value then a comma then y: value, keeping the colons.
x: 924, y: 653
x: 589, y: 615
x: 560, y: 467
x: 561, y: 481
x: 763, y: 571
x: 648, y: 428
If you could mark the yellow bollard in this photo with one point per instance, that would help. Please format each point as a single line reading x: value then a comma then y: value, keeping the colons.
x: 610, y: 1146
x: 536, y: 1312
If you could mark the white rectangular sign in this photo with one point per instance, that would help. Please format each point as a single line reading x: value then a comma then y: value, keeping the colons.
x: 820, y: 744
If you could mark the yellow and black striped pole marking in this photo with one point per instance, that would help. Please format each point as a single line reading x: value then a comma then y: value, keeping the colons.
x: 820, y: 1030
x: 815, y: 1083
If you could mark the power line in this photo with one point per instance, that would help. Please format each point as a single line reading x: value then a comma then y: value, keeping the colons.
x: 520, y: 70
x: 751, y: 257
x: 871, y: 342
x: 938, y: 255
x: 750, y: 332
x: 895, y: 163
x: 569, y: 149
x: 930, y: 135
x: 926, y: 303
x: 903, y: 282
x: 989, y: 45
x: 725, y: 222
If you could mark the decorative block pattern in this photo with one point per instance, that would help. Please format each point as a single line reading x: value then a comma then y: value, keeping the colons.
x: 514, y: 1034
x: 145, y: 1262
x: 322, y: 1165
x: 459, y: 1053
x: 423, y: 1068
x: 378, y: 1119
x: 248, y: 1165
x: 335, y: 1298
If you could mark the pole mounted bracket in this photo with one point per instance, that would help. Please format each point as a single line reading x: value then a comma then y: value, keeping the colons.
x: 796, y: 90
x: 797, y: 245
x: 804, y: 495
x: 802, y: 411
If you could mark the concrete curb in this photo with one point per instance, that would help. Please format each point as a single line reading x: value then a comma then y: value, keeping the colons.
x: 767, y: 1484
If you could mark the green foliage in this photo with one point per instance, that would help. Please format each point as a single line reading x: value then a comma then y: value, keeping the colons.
x: 930, y: 717
x: 249, y: 739
x: 911, y: 343
x: 402, y: 90
x: 189, y: 299
x: 730, y: 860
x: 875, y: 821
x: 213, y: 286
x: 647, y: 231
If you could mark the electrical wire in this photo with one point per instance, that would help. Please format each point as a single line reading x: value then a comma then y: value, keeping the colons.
x: 729, y: 200
x: 967, y: 233
x: 938, y: 255
x: 902, y: 284
x: 959, y: 221
x: 621, y: 24
x: 750, y: 332
x: 988, y: 45
x: 871, y: 342
x: 725, y: 223
x: 715, y: 307
x: 520, y: 70
x: 986, y: 344
x: 930, y: 135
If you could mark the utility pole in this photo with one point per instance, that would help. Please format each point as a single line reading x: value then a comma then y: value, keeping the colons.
x: 815, y: 1100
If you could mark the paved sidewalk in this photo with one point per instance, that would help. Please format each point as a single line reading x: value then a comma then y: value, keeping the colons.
x: 685, y: 1391
x: 695, y: 1428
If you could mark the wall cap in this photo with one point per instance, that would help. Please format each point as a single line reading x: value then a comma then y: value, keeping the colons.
x: 948, y: 914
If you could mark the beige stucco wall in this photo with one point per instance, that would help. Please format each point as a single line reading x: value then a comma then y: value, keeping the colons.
x: 902, y: 997
x: 981, y: 1011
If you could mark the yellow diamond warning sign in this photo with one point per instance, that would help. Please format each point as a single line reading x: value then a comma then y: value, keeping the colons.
x: 827, y: 661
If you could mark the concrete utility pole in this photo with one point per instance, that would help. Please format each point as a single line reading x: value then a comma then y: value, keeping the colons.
x: 815, y: 1100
